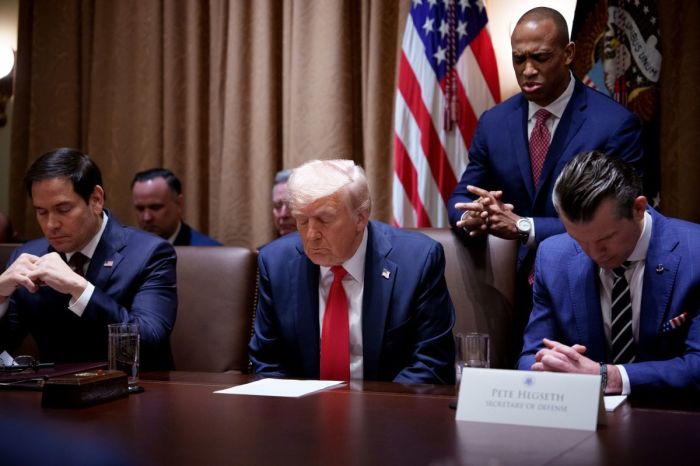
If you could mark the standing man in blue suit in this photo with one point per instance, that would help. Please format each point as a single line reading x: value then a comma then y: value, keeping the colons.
x: 88, y: 271
x: 396, y: 323
x: 501, y: 192
x: 158, y: 201
x: 619, y: 294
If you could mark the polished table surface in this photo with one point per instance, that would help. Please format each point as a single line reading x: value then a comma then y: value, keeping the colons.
x: 179, y: 420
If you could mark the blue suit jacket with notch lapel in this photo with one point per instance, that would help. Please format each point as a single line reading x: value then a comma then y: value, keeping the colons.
x: 499, y: 156
x: 567, y: 308
x: 407, y: 318
x: 134, y: 277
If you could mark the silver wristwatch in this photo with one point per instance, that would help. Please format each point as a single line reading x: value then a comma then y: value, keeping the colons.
x: 524, y: 227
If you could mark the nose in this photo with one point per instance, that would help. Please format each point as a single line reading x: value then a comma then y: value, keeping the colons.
x: 312, y: 231
x: 146, y: 216
x: 596, y: 252
x: 52, y: 222
x: 529, y: 69
x: 284, y: 211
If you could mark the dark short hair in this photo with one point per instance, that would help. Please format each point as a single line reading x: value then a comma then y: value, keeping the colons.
x: 79, y: 168
x: 590, y: 178
x: 542, y: 12
x: 153, y: 173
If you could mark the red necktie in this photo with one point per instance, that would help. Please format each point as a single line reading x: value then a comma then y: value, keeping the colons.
x: 539, y: 144
x: 335, y: 335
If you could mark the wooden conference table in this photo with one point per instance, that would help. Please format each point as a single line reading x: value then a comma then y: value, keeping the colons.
x: 179, y: 420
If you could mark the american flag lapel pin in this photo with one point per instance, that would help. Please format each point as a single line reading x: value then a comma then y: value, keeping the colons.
x: 109, y: 263
x: 386, y: 274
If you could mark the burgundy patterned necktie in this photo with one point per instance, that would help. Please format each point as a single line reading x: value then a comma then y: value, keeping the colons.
x: 539, y: 143
x: 335, y: 334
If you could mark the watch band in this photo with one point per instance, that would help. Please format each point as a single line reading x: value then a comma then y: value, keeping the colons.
x: 603, y: 376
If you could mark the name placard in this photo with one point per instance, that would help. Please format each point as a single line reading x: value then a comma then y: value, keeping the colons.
x: 542, y: 399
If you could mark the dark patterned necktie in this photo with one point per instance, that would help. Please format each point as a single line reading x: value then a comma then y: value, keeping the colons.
x: 77, y: 263
x: 623, y: 347
x: 539, y: 144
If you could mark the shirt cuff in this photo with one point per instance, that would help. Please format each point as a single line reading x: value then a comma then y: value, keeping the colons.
x: 530, y: 243
x: 4, y: 306
x: 78, y: 307
x: 626, y: 389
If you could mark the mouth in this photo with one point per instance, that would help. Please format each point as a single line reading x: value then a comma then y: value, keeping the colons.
x: 530, y: 87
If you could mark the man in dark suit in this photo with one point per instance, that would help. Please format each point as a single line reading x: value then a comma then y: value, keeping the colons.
x: 346, y: 298
x: 513, y: 161
x: 618, y: 294
x: 116, y: 273
x: 158, y: 200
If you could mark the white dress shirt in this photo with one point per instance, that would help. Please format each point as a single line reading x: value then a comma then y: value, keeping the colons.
x: 635, y: 277
x: 354, y: 286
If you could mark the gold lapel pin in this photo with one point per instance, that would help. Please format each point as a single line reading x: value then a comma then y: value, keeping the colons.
x: 386, y: 274
x: 108, y: 264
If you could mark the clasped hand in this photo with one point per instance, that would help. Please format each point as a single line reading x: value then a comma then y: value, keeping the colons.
x: 557, y: 357
x: 31, y: 272
x: 488, y: 214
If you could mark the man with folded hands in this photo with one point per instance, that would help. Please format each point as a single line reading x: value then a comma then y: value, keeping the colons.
x: 619, y: 293
x: 88, y: 271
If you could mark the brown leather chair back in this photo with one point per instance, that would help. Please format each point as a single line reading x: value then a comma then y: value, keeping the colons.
x: 481, y: 281
x: 5, y: 252
x: 216, y: 296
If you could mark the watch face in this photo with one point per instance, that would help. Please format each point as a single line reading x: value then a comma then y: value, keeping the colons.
x: 523, y: 225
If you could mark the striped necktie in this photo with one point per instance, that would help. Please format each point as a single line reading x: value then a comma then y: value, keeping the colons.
x: 623, y: 347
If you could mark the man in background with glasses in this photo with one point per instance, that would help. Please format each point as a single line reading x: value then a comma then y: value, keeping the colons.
x: 88, y: 271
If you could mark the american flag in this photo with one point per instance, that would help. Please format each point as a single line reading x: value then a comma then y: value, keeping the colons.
x: 447, y: 79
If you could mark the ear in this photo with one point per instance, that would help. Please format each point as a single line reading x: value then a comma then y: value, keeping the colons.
x: 639, y: 206
x: 180, y: 201
x: 569, y: 52
x: 362, y: 220
x: 97, y: 199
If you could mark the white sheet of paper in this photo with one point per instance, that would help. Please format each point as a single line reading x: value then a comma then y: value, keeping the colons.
x: 281, y: 387
x: 613, y: 401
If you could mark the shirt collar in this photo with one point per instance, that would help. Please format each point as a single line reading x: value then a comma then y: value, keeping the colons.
x: 640, y: 250
x: 89, y: 249
x: 557, y: 107
x: 355, y: 266
x: 171, y: 240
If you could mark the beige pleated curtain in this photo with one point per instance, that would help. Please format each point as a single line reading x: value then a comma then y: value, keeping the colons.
x: 227, y: 93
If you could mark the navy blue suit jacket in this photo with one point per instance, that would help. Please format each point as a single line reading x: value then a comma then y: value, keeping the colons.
x: 188, y: 236
x: 407, y: 314
x: 134, y: 277
x: 499, y: 156
x: 567, y: 306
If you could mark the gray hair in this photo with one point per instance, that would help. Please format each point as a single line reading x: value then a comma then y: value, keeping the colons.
x: 590, y: 178
x: 282, y: 176
x: 317, y: 179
